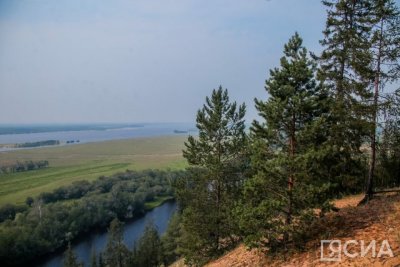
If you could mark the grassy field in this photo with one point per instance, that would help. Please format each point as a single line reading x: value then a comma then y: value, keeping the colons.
x: 87, y: 162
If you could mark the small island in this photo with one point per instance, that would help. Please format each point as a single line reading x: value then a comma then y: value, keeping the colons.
x: 180, y: 132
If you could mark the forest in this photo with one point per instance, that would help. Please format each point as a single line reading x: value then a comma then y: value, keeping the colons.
x: 51, y: 220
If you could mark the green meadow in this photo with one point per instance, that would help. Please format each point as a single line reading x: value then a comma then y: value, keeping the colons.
x: 87, y: 162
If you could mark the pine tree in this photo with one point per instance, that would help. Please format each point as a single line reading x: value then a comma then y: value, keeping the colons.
x: 386, y: 67
x: 148, y: 250
x: 283, y: 191
x: 345, y: 68
x: 116, y: 253
x: 388, y: 167
x: 93, y: 258
x: 170, y: 240
x: 101, y: 262
x: 217, y: 160
x: 70, y: 259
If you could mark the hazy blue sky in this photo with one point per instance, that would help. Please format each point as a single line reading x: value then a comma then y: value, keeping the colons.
x: 141, y: 60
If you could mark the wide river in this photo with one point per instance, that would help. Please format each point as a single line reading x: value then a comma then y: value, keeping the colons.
x: 132, y: 229
x: 84, y: 136
x: 98, y: 240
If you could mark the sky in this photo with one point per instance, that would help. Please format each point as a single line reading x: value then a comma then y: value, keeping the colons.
x: 93, y: 61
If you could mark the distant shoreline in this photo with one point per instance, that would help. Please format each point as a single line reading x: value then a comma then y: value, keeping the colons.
x: 69, y: 135
x: 29, y: 129
x: 4, y: 148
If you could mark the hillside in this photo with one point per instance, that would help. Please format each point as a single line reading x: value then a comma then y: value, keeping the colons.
x: 379, y: 220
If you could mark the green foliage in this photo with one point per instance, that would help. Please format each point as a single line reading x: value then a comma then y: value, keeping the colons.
x: 385, y: 38
x: 93, y: 258
x: 217, y: 159
x: 386, y: 66
x: 388, y: 164
x: 345, y: 68
x: 45, y: 226
x: 101, y: 261
x: 279, y: 199
x: 23, y: 166
x: 116, y: 253
x: 170, y: 241
x: 148, y: 251
x: 70, y: 259
x: 8, y: 211
x: 29, y: 201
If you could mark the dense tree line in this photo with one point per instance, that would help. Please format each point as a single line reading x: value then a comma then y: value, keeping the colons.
x: 23, y: 166
x: 327, y: 128
x: 54, y: 219
x: 8, y: 211
x: 217, y: 158
x: 38, y: 143
x: 147, y: 184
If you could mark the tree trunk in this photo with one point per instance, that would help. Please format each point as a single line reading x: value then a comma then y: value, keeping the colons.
x: 290, y: 179
x: 292, y: 150
x: 370, y: 183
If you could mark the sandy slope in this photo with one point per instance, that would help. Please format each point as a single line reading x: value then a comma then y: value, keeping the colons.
x: 379, y: 220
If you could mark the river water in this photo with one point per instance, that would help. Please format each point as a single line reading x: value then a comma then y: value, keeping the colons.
x: 132, y: 232
x: 85, y: 136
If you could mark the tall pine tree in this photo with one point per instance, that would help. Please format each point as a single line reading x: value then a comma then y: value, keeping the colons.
x: 385, y: 49
x: 345, y: 68
x: 217, y: 159
x: 116, y: 253
x: 388, y: 167
x: 93, y: 258
x: 148, y: 249
x: 70, y: 259
x: 284, y: 191
x: 170, y: 240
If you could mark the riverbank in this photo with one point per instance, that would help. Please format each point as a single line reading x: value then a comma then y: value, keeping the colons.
x: 158, y: 201
x: 96, y: 239
x: 68, y: 164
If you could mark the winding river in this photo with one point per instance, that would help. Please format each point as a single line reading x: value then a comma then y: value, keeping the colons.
x: 132, y: 232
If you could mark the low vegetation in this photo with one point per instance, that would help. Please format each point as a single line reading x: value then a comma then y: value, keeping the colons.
x: 23, y: 166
